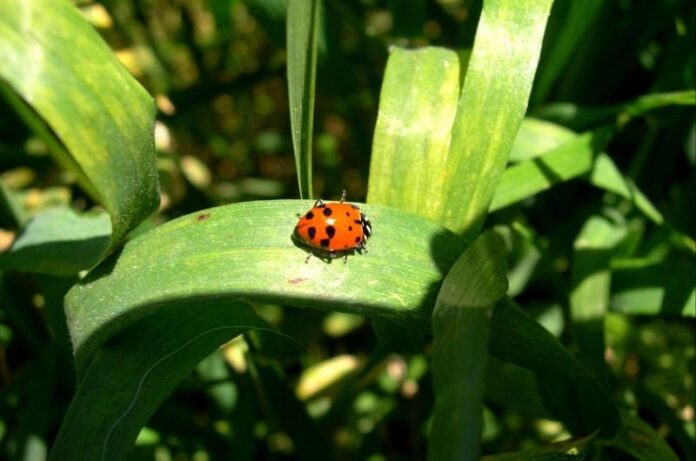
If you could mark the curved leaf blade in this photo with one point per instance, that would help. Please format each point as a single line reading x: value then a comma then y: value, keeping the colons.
x: 246, y: 251
x: 101, y: 120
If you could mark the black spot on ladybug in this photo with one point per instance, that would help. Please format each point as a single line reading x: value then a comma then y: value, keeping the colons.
x: 357, y: 221
x: 202, y: 217
x: 311, y: 232
x: 350, y: 228
x: 357, y: 239
x: 324, y: 242
x: 327, y: 211
x: 330, y: 231
x: 309, y: 215
x: 345, y: 246
x: 347, y: 214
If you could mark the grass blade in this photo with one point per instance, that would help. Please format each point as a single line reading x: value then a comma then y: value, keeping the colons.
x: 530, y: 177
x: 218, y: 252
x: 302, y: 32
x: 99, y: 119
x: 461, y: 326
x: 491, y: 107
x: 409, y: 151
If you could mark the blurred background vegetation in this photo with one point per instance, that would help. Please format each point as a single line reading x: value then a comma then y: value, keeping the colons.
x: 216, y: 69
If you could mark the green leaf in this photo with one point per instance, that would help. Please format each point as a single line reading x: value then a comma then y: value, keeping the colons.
x: 461, y: 326
x: 246, y: 251
x: 443, y: 161
x: 98, y: 119
x: 637, y: 438
x: 530, y: 177
x: 302, y: 32
x: 409, y: 152
x: 58, y: 241
x: 642, y: 287
x: 130, y: 378
x: 491, y: 107
x: 580, y: 156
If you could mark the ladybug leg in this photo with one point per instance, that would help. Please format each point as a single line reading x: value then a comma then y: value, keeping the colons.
x: 308, y: 257
x: 343, y: 196
x: 319, y: 203
x: 345, y: 258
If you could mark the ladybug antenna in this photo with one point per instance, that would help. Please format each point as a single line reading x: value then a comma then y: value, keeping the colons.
x: 343, y: 196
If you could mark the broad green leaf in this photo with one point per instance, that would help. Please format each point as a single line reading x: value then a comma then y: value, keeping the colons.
x: 216, y: 257
x: 98, y: 119
x: 58, y: 241
x: 130, y: 378
x: 302, y: 31
x: 461, y: 327
x: 246, y: 251
x: 409, y: 151
x: 491, y: 107
x: 591, y: 279
x: 647, y: 288
x: 641, y: 441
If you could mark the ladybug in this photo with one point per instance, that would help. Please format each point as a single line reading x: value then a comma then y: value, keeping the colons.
x: 333, y: 229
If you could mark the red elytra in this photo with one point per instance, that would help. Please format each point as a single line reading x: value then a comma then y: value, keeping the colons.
x: 333, y: 229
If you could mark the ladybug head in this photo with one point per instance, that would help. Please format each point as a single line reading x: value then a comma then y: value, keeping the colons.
x: 366, y: 225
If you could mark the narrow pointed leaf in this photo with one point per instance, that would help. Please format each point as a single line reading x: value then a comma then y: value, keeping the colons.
x: 302, y: 32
